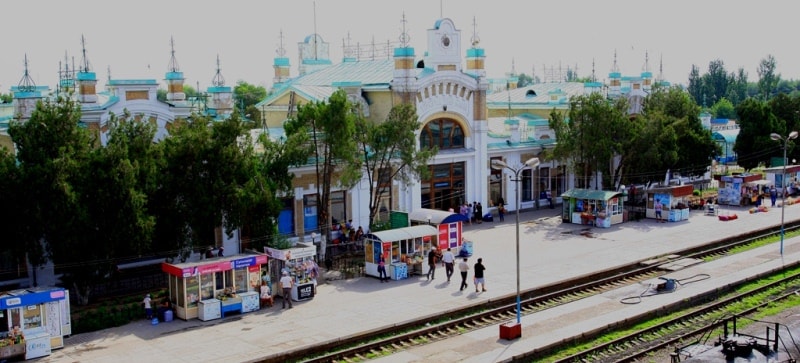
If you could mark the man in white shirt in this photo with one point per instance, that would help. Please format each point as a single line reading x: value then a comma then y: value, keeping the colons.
x: 463, y: 266
x: 286, y: 285
x: 148, y: 308
x: 449, y: 259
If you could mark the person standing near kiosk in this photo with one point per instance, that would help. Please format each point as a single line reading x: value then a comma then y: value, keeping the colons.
x: 286, y: 285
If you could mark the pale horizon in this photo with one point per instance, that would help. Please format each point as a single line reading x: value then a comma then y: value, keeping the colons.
x: 132, y: 39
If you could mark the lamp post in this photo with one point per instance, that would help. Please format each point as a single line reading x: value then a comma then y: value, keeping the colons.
x: 499, y: 165
x: 785, y: 140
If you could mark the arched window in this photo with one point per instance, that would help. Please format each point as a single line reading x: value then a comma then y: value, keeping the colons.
x: 443, y: 133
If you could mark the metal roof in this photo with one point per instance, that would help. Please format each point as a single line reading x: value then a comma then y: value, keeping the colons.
x: 591, y: 194
x: 404, y: 233
x: 365, y: 72
x: 435, y: 216
x: 540, y: 94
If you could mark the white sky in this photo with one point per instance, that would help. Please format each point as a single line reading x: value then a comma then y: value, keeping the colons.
x: 133, y: 37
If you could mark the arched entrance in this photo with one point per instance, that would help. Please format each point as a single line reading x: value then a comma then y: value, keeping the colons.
x: 445, y: 188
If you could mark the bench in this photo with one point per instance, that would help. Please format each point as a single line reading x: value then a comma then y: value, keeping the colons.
x: 231, y: 304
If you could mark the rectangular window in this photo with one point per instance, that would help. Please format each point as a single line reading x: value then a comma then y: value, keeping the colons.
x: 527, y: 190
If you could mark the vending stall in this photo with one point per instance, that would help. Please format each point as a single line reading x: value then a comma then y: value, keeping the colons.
x: 448, y: 226
x: 34, y: 321
x: 733, y: 189
x: 674, y: 201
x: 601, y: 208
x: 210, y: 288
x: 404, y: 250
x: 299, y: 263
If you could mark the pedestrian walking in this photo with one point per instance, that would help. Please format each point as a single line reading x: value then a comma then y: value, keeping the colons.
x: 773, y: 194
x: 286, y: 285
x: 148, y: 307
x: 382, y: 270
x: 449, y: 260
x: 432, y: 263
x: 479, y: 280
x: 501, y: 212
x: 479, y: 214
x: 463, y: 267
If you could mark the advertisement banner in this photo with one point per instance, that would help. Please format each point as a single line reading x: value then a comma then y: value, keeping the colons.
x: 305, y: 292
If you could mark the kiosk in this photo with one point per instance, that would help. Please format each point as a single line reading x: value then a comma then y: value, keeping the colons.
x: 209, y: 288
x: 34, y: 321
x: 447, y: 224
x: 674, y: 202
x: 299, y: 263
x: 601, y: 208
x: 732, y: 188
x: 404, y: 250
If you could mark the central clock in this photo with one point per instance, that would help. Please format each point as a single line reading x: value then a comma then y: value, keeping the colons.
x: 445, y: 41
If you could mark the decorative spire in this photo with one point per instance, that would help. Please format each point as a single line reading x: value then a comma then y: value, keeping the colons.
x: 614, y: 67
x: 109, y: 73
x: 85, y: 66
x: 594, y: 77
x: 218, y: 80
x: 404, y: 37
x: 475, y: 39
x: 281, y: 51
x: 26, y: 84
x: 173, y: 63
x: 513, y: 67
x: 349, y: 52
x: 646, y: 61
x: 661, y: 68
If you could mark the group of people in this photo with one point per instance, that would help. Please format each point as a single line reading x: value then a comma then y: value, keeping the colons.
x: 472, y: 212
x: 757, y: 196
x: 448, y: 259
x: 345, y: 232
x: 163, y: 307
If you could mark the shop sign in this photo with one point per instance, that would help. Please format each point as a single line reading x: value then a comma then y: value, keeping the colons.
x: 13, y: 301
x: 243, y: 262
x: 305, y: 292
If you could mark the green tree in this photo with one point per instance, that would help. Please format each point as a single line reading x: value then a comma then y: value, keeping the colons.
x: 246, y: 95
x: 52, y: 151
x: 756, y: 122
x: 737, y: 90
x: 205, y: 168
x: 389, y: 153
x: 686, y: 145
x: 6, y: 98
x: 724, y: 109
x: 524, y: 80
x: 595, y: 132
x: 716, y: 81
x: 332, y: 146
x: 112, y: 201
x: 695, y: 87
x: 767, y: 79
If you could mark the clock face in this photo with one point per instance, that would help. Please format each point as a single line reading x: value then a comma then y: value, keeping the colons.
x: 445, y: 41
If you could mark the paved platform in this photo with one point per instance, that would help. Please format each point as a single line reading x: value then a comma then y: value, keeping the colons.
x: 550, y: 251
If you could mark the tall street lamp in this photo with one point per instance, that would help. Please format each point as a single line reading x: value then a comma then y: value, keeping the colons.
x: 785, y: 140
x: 498, y: 164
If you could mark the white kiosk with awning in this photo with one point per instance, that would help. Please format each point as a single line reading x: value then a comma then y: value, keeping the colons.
x: 403, y: 250
x: 448, y: 226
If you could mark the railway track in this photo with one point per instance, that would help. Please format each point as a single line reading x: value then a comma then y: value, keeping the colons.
x: 384, y: 341
x: 685, y: 326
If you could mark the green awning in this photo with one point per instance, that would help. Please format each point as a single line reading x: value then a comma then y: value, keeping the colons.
x: 591, y: 194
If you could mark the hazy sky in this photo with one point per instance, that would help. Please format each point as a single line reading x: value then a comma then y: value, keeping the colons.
x: 133, y: 37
